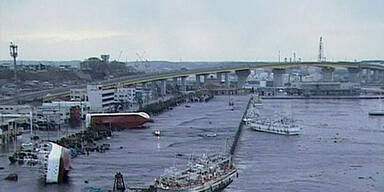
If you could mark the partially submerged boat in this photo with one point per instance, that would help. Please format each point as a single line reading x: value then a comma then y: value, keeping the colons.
x: 55, y: 162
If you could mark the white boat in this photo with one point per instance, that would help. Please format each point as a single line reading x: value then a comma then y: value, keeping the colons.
x: 156, y: 132
x: 283, y: 126
x: 206, y: 174
x: 55, y: 162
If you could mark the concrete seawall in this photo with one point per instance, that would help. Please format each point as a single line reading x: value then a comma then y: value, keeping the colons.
x: 239, y: 130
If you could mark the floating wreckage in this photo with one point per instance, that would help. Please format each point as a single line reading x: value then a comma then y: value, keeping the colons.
x: 53, y: 160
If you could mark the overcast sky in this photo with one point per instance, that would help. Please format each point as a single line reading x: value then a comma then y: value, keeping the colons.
x: 192, y: 30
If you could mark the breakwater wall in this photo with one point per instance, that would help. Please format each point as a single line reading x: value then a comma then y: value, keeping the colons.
x: 239, y: 130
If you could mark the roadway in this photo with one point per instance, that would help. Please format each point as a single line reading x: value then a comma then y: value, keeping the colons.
x: 148, y: 77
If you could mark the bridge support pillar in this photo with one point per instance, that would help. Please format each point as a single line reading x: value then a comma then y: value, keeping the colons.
x: 175, y: 85
x: 219, y: 76
x: 226, y: 80
x: 278, y: 80
x: 354, y: 75
x: 381, y: 76
x: 369, y: 76
x: 242, y: 76
x: 183, y: 84
x: 205, y: 77
x: 327, y: 73
x: 198, y: 81
x: 376, y: 75
x: 163, y: 87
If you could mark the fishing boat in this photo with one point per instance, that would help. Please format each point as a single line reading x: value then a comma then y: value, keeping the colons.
x: 208, y: 173
x: 283, y: 126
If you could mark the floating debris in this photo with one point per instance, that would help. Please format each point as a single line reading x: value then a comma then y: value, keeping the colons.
x: 156, y: 132
x: 12, y: 177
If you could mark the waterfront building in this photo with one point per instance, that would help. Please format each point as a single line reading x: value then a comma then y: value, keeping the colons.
x: 329, y: 89
x: 125, y: 96
x: 15, y: 109
x: 78, y: 94
x: 60, y: 111
x: 100, y: 100
x: 143, y: 95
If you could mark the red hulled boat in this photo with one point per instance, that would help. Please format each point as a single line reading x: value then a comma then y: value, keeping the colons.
x: 116, y: 120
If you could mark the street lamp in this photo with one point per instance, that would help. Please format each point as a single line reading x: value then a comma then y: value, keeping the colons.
x: 13, y: 53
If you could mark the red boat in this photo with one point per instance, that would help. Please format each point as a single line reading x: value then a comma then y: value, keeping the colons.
x: 116, y: 121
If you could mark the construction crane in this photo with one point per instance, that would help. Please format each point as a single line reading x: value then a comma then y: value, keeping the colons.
x: 143, y: 60
x: 121, y: 52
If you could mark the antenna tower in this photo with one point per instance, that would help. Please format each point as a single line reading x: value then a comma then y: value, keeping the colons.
x: 321, y: 51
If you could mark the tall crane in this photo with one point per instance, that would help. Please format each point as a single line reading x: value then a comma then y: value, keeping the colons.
x: 121, y: 52
x: 143, y: 60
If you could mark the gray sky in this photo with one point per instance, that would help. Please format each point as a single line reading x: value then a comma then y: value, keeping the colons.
x: 192, y: 30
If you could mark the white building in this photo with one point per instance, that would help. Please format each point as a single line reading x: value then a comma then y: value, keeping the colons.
x: 78, y: 94
x: 100, y: 99
x: 125, y: 95
x: 143, y: 95
x: 15, y: 109
x: 59, y: 111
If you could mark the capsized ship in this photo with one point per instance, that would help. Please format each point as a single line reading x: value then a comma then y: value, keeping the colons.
x: 55, y: 162
x: 208, y: 173
x: 116, y: 120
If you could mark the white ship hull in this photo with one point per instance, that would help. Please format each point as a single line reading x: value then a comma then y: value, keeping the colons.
x: 56, y: 163
x: 275, y: 129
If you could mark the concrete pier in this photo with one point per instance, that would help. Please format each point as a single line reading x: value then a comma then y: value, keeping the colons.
x: 183, y: 87
x: 205, y: 77
x: 175, y: 85
x: 219, y: 76
x: 163, y: 87
x: 239, y: 130
x: 242, y: 76
x: 226, y: 79
x: 354, y: 75
x: 327, y: 73
x: 198, y: 80
x: 376, y: 75
x: 278, y: 80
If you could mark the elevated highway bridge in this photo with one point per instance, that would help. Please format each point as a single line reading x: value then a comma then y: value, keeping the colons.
x: 242, y: 70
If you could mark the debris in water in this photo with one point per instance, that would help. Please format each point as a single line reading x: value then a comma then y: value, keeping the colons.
x: 12, y: 177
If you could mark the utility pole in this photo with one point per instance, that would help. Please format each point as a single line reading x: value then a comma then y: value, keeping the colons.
x: 13, y: 53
